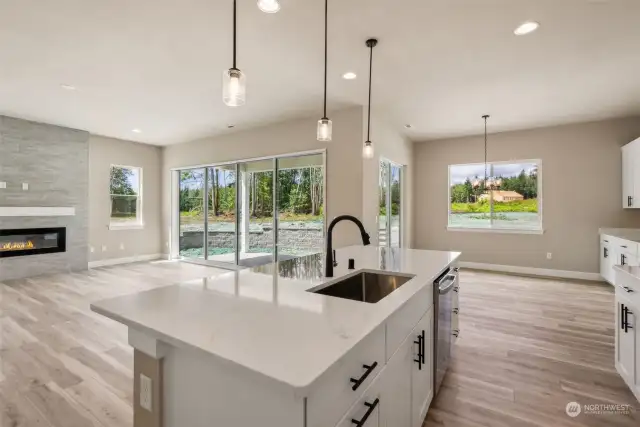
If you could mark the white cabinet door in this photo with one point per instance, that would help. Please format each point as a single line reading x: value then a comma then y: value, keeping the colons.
x: 422, y: 379
x: 606, y: 265
x: 628, y: 153
x: 396, y: 391
x: 626, y: 339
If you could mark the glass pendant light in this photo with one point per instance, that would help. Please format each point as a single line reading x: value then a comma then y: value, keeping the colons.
x: 233, y: 80
x: 490, y: 182
x: 325, y: 127
x: 269, y: 6
x: 367, y: 150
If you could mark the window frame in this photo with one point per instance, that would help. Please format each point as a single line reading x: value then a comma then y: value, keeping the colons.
x: 139, y: 221
x: 492, y: 228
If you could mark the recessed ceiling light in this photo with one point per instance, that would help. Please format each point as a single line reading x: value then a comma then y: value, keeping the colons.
x: 136, y: 130
x: 526, y: 28
x: 269, y: 6
x: 349, y: 76
x: 68, y: 87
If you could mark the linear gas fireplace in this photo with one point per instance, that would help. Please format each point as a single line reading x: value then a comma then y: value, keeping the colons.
x: 32, y: 241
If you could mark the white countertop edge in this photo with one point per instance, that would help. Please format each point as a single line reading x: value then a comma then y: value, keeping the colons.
x: 182, y: 344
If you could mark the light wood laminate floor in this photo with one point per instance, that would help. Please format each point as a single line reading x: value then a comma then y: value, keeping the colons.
x: 528, y: 347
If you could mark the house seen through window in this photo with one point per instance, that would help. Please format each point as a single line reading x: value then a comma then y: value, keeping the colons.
x: 509, y: 199
x: 126, y: 195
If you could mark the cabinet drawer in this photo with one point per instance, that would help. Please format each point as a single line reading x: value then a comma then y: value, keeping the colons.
x: 632, y: 291
x: 333, y: 394
x: 368, y: 408
x: 627, y: 247
x: 402, y: 322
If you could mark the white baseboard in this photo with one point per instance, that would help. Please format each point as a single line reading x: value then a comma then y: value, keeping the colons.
x: 128, y: 260
x: 530, y: 271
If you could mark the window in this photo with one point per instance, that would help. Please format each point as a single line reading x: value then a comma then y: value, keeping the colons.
x: 126, y: 196
x: 512, y: 204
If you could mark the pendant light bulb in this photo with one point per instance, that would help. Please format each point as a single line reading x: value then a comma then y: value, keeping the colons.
x: 367, y: 151
x: 325, y: 129
x: 233, y: 80
x: 269, y: 6
x: 234, y: 87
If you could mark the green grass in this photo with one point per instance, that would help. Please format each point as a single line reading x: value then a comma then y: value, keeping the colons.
x: 530, y: 205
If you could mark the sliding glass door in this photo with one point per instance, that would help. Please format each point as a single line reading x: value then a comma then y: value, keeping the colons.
x: 256, y: 213
x: 252, y: 212
x: 390, y: 204
x: 192, y: 213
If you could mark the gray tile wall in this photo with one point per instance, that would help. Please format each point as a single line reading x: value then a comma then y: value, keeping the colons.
x: 54, y: 162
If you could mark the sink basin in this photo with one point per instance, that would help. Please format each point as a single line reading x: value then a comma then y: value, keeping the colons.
x: 364, y: 286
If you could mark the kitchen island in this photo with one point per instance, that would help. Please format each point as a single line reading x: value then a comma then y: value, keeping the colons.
x: 256, y: 347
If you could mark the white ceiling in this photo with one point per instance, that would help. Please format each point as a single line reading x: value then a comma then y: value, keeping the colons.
x: 156, y: 65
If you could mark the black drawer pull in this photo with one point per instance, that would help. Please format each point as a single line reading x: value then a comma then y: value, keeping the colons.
x: 456, y: 289
x: 423, y: 344
x: 372, y: 407
x: 621, y: 316
x: 420, y: 359
x: 623, y: 259
x: 623, y: 246
x: 358, y: 382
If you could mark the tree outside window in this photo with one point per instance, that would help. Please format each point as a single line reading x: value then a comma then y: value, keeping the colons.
x: 125, y: 191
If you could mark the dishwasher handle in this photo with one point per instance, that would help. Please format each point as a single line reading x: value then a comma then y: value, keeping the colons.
x: 451, y: 278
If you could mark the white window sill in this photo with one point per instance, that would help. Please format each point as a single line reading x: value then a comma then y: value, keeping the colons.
x: 126, y: 226
x: 495, y: 230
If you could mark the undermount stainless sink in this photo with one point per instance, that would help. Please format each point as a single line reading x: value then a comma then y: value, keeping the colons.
x: 364, y: 286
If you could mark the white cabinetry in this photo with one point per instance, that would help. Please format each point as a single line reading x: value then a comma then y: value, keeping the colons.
x: 631, y: 175
x: 422, y: 379
x: 627, y: 336
x: 616, y: 251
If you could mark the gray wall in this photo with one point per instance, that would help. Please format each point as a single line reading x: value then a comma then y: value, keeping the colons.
x: 54, y: 162
x: 124, y: 243
x: 582, y: 191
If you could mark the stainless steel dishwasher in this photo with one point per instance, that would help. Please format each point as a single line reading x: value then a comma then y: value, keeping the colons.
x: 443, y: 327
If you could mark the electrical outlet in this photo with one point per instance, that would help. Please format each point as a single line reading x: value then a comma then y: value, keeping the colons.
x: 3, y: 184
x: 104, y: 248
x: 25, y: 186
x: 145, y: 393
x: 92, y: 249
x: 122, y: 246
x: 549, y: 255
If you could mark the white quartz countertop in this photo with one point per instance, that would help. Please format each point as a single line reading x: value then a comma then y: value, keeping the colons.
x: 264, y: 320
x: 632, y: 234
x: 631, y: 270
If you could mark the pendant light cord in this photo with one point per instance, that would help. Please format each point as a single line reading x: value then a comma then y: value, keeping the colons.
x: 485, y: 149
x: 370, y: 73
x: 326, y: 15
x: 234, y: 34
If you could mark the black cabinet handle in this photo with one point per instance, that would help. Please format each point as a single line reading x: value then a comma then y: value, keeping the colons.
x: 420, y: 359
x: 423, y: 346
x: 626, y: 321
x: 372, y: 407
x: 623, y: 246
x: 606, y: 253
x: 456, y: 310
x: 621, y: 316
x: 456, y: 332
x: 628, y: 200
x: 628, y: 289
x: 622, y: 259
x: 358, y: 382
x: 456, y: 289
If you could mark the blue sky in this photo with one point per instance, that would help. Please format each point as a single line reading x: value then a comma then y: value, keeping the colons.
x: 459, y: 173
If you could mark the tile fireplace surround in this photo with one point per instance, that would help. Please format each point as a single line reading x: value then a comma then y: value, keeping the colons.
x: 54, y: 162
